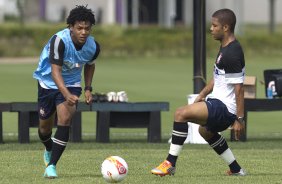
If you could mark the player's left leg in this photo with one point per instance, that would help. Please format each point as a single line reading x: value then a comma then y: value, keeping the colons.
x: 65, y: 113
x: 61, y: 137
x: 220, y: 119
x: 50, y: 172
x: 220, y: 146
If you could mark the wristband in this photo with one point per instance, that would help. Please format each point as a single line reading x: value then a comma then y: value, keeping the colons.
x: 89, y: 88
x: 241, y: 120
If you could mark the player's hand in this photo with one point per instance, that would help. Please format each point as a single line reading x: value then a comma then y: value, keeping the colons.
x: 72, y: 99
x: 88, y: 97
x: 199, y: 98
x: 238, y: 129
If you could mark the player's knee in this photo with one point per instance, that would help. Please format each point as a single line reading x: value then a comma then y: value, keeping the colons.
x: 179, y: 115
x: 64, y: 120
x: 205, y: 133
x: 202, y: 131
x: 45, y: 129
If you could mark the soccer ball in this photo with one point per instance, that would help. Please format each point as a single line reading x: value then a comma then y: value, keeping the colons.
x: 114, y: 169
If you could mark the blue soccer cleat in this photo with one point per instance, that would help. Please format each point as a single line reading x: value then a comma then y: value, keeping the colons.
x: 47, y: 157
x: 50, y: 172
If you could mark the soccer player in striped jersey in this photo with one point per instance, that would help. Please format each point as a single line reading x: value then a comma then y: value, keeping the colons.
x: 223, y: 109
x: 67, y: 53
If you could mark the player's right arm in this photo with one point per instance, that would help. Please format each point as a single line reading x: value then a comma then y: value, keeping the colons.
x: 56, y: 57
x: 207, y: 90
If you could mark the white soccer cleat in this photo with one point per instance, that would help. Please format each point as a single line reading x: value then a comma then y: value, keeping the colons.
x: 112, y: 96
x: 242, y: 172
x: 122, y: 96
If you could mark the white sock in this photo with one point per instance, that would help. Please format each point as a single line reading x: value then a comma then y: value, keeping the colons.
x: 228, y: 156
x: 175, y: 149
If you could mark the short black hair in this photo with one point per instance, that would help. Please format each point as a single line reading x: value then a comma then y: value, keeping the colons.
x: 226, y: 16
x: 81, y: 13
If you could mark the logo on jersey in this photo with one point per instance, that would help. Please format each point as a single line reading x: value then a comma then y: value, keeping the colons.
x: 42, y: 112
x: 68, y: 65
x: 216, y: 71
x: 219, y: 58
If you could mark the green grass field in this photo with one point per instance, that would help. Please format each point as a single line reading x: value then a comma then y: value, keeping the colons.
x: 144, y: 79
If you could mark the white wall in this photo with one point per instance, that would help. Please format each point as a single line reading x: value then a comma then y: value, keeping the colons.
x: 248, y: 11
x: 54, y: 8
x: 8, y: 7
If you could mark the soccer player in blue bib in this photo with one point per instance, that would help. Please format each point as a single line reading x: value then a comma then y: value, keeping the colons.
x: 225, y: 108
x: 59, y: 74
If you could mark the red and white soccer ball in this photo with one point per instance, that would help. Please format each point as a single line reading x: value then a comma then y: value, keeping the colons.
x: 114, y: 169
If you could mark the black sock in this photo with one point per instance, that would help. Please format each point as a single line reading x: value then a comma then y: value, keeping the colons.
x: 172, y: 159
x: 60, y: 141
x: 46, y: 140
x: 179, y: 135
x: 234, y: 167
x: 219, y: 144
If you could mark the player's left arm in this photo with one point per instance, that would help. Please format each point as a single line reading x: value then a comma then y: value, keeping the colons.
x: 88, y: 76
x: 89, y: 70
x: 239, y: 93
x: 235, y: 67
x: 239, y: 124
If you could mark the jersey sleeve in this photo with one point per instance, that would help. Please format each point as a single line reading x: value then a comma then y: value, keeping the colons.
x: 234, y: 65
x: 97, y: 52
x: 57, y: 48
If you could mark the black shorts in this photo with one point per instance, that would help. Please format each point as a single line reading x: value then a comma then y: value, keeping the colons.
x: 48, y: 99
x: 219, y: 117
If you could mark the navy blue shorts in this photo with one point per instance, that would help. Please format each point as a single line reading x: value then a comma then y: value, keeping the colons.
x: 219, y: 117
x: 48, y: 99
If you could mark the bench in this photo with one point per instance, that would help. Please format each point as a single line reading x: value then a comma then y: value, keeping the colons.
x: 258, y: 105
x: 28, y: 117
x: 4, y: 107
x: 122, y: 115
x: 129, y: 115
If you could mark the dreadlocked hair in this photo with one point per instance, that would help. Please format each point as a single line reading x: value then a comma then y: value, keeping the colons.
x: 81, y: 13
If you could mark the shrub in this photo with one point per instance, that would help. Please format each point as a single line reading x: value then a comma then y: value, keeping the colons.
x: 28, y: 40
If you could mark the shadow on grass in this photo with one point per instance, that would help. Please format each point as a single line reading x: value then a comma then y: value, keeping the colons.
x: 81, y: 175
x: 264, y: 139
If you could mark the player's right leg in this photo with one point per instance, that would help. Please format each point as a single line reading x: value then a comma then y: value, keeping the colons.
x: 165, y: 168
x: 45, y: 133
x: 196, y: 112
x: 46, y: 113
x: 179, y: 135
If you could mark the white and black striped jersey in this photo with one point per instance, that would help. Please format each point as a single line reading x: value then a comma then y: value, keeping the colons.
x: 229, y: 69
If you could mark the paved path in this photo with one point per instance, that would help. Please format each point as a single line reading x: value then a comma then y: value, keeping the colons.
x: 18, y: 60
